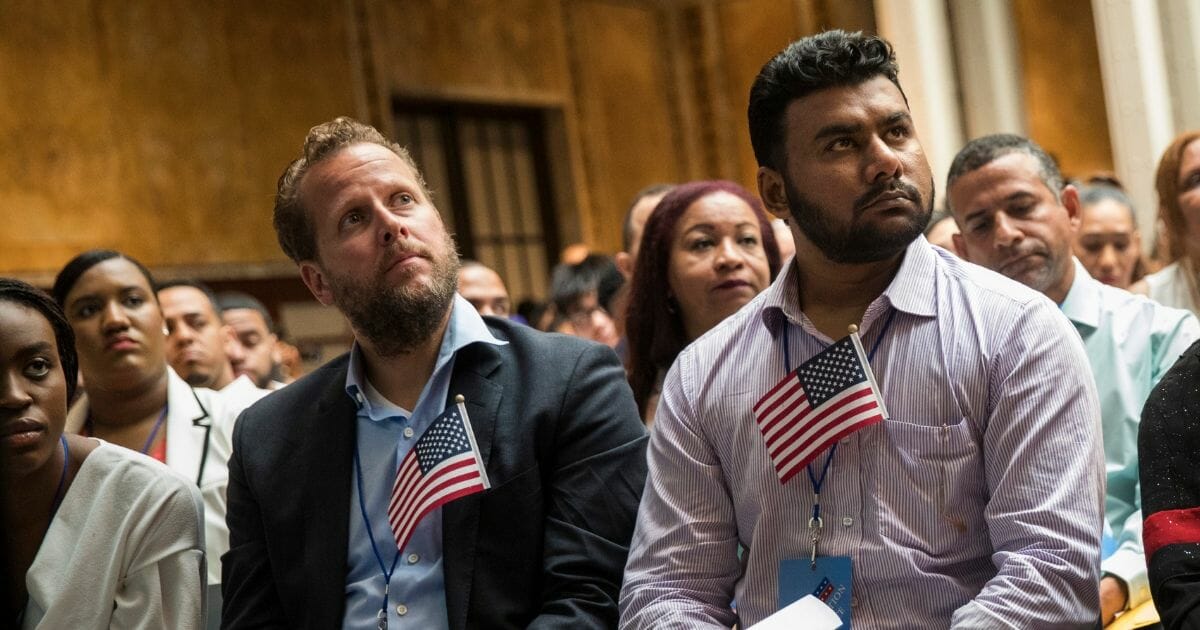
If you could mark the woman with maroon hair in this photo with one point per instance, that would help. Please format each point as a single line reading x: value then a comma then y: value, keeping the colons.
x: 706, y: 250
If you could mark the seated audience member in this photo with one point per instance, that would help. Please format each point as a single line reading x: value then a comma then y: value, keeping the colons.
x: 1169, y: 443
x: 96, y: 536
x: 134, y: 399
x: 1107, y: 242
x: 1017, y: 218
x: 582, y: 293
x: 941, y: 231
x: 631, y: 238
x: 197, y: 338
x: 973, y: 501
x: 1178, y: 185
x: 707, y: 250
x: 320, y: 472
x: 483, y: 288
x: 254, y: 352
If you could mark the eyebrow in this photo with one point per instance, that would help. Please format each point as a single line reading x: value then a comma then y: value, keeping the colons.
x: 843, y: 129
x: 41, y: 347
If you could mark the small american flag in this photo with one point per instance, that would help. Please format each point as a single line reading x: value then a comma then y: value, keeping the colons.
x: 827, y: 398
x: 444, y: 465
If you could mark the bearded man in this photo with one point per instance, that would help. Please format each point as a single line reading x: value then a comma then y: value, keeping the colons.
x: 313, y: 466
x: 975, y: 503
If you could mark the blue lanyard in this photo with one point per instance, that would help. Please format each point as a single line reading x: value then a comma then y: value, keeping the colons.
x: 387, y: 573
x: 815, y: 523
x: 154, y: 431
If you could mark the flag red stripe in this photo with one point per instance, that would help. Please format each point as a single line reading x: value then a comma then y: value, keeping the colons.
x: 789, y: 380
x: 442, y: 494
x: 823, y: 416
x: 785, y: 418
x: 848, y: 423
x: 434, y: 484
x: 417, y: 481
x: 815, y: 430
x: 407, y: 475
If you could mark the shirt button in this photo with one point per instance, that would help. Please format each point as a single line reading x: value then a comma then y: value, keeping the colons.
x: 408, y: 432
x: 847, y: 521
x: 853, y: 602
x: 401, y: 609
x: 413, y: 558
x: 846, y: 440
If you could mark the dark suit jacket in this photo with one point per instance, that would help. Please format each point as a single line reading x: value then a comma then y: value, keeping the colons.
x: 545, y: 547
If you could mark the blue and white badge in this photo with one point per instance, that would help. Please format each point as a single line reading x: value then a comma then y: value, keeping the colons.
x: 830, y: 581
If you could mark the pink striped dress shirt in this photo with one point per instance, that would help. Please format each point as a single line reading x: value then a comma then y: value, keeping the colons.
x: 977, y: 504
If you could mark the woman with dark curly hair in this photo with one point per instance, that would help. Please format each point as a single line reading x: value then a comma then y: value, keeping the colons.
x: 707, y: 250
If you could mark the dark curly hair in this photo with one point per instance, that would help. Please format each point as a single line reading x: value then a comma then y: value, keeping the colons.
x: 830, y: 59
x: 654, y: 326
x: 18, y: 292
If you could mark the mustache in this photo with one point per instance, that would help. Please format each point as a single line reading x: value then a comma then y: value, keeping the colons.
x: 907, y: 190
x: 400, y: 248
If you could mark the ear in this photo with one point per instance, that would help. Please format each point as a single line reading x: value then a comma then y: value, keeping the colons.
x: 1070, y: 201
x: 625, y: 264
x: 773, y: 192
x: 314, y: 279
x: 960, y: 246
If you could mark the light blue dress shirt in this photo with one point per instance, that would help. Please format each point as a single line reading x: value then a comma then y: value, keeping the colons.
x: 386, y: 432
x: 1131, y: 341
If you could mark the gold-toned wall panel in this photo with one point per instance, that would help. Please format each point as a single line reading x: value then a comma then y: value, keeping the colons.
x: 158, y: 128
x: 624, y: 103
x: 510, y: 51
x: 1064, y: 93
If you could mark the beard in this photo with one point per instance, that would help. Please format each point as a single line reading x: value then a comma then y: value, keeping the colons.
x: 395, y: 319
x: 859, y: 242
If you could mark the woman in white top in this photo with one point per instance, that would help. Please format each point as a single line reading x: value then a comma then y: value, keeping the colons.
x: 1178, y: 184
x: 133, y: 398
x: 97, y: 536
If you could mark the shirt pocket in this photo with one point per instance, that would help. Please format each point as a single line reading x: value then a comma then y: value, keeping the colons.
x: 931, y: 487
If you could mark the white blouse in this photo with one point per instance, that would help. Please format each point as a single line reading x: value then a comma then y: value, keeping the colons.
x: 1170, y: 286
x: 125, y: 549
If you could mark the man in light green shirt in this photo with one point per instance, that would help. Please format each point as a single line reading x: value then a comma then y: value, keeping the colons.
x: 1018, y: 218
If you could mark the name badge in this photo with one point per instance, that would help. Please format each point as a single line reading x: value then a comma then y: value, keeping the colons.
x: 830, y: 581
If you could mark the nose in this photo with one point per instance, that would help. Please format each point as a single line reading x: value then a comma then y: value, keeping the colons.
x: 235, y: 352
x: 12, y: 395
x: 113, y: 317
x: 1006, y: 232
x: 883, y: 161
x: 1108, y: 258
x: 729, y: 256
x: 391, y: 226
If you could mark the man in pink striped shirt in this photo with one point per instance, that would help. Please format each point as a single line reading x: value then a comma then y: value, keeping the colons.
x: 976, y: 504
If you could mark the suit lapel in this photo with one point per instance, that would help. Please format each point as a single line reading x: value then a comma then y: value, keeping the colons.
x: 473, y: 368
x: 327, y: 457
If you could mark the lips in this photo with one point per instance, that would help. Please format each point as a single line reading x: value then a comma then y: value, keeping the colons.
x: 121, y: 342
x: 22, y: 432
x: 731, y: 284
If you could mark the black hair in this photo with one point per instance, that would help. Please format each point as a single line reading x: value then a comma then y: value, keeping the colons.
x: 982, y: 151
x: 1092, y: 194
x: 79, y: 265
x: 230, y: 300
x: 25, y: 294
x: 595, y: 273
x: 195, y: 284
x: 830, y: 59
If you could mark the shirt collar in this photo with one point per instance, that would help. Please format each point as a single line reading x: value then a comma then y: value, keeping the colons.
x: 913, y: 290
x: 1082, y: 304
x: 465, y: 328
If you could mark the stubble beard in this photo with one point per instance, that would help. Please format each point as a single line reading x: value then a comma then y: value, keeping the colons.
x: 397, y: 319
x: 858, y: 243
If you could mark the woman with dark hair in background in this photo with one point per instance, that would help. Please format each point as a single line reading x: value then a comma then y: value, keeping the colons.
x: 96, y: 536
x: 1178, y: 185
x: 1108, y: 243
x: 707, y: 250
x: 133, y: 397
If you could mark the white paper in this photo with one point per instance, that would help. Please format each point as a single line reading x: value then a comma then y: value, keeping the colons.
x: 808, y: 612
